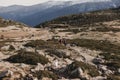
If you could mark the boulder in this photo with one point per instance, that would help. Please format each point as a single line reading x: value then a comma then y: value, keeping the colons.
x: 77, y: 73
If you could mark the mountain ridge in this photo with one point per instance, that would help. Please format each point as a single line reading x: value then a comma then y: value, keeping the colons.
x: 114, y: 15
x: 47, y: 10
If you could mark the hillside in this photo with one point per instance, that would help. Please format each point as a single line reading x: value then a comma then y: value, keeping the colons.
x: 5, y: 23
x: 85, y: 19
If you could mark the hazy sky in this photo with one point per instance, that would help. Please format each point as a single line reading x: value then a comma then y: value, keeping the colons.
x: 33, y: 2
x: 23, y: 2
x: 20, y: 2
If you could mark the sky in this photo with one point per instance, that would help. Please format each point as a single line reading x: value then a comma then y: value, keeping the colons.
x: 33, y: 2
x: 23, y: 2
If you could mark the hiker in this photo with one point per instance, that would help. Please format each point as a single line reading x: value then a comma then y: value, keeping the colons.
x: 60, y: 41
x: 64, y: 41
x: 2, y: 37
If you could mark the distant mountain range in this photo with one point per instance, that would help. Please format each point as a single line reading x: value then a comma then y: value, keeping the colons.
x: 33, y: 15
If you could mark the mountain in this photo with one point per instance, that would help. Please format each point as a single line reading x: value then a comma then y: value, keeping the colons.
x: 39, y: 13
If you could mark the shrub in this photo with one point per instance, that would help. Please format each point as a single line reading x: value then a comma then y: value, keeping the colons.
x: 28, y: 58
x: 58, y: 53
x: 41, y: 74
x: 92, y: 70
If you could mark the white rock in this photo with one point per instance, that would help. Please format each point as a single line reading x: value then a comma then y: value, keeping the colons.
x: 68, y: 61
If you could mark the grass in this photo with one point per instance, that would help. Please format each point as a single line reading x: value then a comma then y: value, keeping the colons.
x: 106, y: 29
x: 84, y: 29
x: 40, y: 44
x: 28, y: 58
x: 71, y: 30
x: 102, y: 45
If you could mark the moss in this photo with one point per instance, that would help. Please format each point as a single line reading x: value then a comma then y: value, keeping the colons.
x: 28, y: 58
x: 41, y: 74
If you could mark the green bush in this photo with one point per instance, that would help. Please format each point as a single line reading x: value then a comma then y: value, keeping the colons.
x: 28, y: 58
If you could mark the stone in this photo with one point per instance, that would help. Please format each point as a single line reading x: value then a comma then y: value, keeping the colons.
x: 3, y: 74
x: 39, y: 67
x: 68, y: 61
x: 77, y: 73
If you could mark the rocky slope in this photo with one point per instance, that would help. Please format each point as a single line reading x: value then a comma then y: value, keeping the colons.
x: 83, y: 47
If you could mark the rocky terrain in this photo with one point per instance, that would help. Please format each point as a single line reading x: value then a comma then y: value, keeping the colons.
x: 80, y: 47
